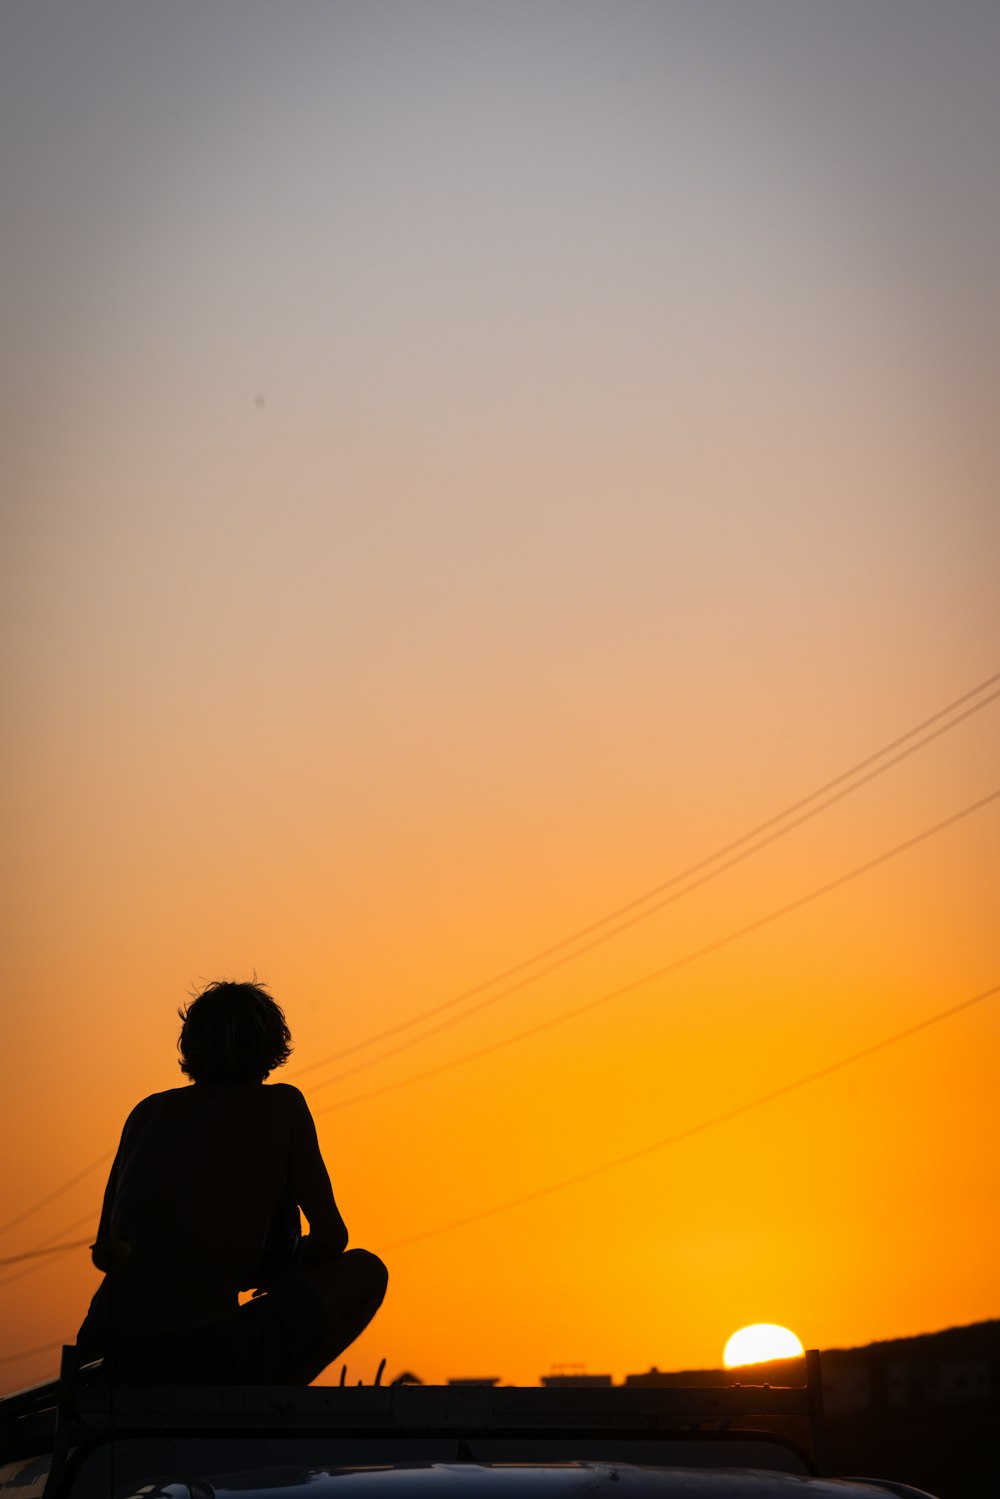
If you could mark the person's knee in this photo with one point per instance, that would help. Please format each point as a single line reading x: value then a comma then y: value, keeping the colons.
x: 369, y: 1272
x: 354, y: 1278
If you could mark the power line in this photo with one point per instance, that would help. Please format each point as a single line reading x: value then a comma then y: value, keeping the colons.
x: 642, y: 900
x: 667, y: 900
x: 666, y: 1141
x: 593, y: 927
x: 44, y: 1202
x: 658, y: 973
x: 552, y: 1021
x: 42, y: 1264
x: 700, y: 1128
x: 33, y: 1254
x: 567, y: 1015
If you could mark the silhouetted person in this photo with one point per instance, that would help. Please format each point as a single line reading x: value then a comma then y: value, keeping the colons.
x: 203, y: 1202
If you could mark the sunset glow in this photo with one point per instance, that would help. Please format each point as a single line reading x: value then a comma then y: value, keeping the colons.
x: 500, y: 541
x: 760, y: 1342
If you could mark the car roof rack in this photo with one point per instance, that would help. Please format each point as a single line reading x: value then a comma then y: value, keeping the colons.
x: 82, y: 1410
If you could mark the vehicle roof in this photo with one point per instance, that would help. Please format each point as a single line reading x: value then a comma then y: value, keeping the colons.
x: 512, y: 1481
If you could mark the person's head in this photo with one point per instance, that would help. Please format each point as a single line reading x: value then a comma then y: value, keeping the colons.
x: 232, y: 1033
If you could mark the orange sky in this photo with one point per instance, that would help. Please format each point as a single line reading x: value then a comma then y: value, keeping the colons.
x: 468, y: 464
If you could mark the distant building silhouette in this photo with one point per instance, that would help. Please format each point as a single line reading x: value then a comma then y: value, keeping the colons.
x: 576, y: 1381
x: 958, y: 1365
x: 923, y: 1409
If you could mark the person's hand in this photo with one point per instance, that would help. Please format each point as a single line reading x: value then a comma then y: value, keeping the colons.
x: 292, y: 1266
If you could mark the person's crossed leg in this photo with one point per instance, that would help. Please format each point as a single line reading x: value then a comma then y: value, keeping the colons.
x: 293, y: 1333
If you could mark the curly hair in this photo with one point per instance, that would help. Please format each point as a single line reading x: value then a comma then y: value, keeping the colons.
x: 232, y: 1033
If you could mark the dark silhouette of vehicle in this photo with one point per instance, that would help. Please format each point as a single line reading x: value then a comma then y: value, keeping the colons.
x: 82, y: 1437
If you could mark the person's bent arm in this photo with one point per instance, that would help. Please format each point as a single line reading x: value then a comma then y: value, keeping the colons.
x: 102, y: 1252
x: 108, y: 1253
x: 309, y: 1181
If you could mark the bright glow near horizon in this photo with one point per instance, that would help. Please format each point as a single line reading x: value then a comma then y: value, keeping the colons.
x: 759, y: 1343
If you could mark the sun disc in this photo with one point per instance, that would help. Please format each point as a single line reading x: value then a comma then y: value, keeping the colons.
x: 759, y: 1343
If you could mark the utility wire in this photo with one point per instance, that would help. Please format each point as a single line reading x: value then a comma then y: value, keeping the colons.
x: 561, y: 1018
x: 658, y: 973
x: 642, y: 900
x: 630, y: 921
x: 586, y: 931
x: 33, y: 1254
x: 566, y: 1015
x: 42, y: 1264
x: 700, y: 1128
x: 662, y: 1144
x: 44, y: 1202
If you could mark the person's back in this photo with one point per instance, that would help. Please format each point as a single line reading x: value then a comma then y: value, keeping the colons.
x: 197, y: 1181
x: 192, y: 1196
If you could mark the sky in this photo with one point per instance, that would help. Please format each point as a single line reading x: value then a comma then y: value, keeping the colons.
x: 465, y: 464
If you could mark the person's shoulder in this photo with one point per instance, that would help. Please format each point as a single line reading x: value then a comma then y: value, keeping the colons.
x: 154, y: 1101
x: 286, y: 1095
x: 153, y: 1104
x: 289, y: 1104
x: 157, y: 1100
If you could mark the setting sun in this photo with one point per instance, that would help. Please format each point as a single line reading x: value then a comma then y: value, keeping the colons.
x: 760, y: 1342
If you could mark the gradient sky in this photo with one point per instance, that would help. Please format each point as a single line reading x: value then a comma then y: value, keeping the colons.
x: 464, y: 463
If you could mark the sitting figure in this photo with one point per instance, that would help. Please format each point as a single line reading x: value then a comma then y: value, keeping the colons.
x: 203, y: 1202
